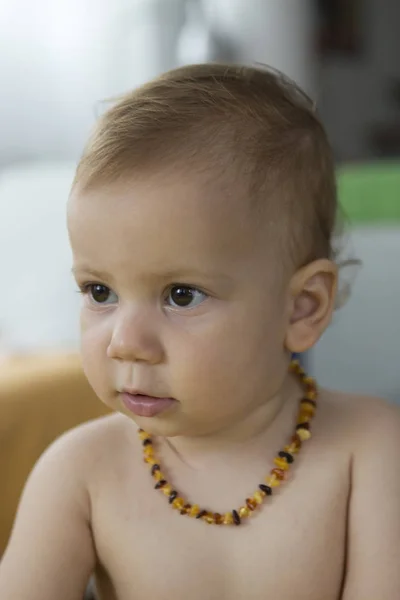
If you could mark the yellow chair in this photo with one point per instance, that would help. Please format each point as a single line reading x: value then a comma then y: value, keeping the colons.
x: 40, y: 398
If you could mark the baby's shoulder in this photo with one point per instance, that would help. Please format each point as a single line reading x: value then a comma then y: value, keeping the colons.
x: 360, y: 423
x: 92, y: 447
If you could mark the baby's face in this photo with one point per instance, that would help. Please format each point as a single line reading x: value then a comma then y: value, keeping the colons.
x: 181, y: 300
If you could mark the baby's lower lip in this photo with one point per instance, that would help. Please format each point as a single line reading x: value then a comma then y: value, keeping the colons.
x: 146, y: 406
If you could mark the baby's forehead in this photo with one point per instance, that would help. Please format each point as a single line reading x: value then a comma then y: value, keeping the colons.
x: 171, y: 221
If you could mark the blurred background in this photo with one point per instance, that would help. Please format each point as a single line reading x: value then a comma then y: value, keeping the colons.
x: 60, y: 60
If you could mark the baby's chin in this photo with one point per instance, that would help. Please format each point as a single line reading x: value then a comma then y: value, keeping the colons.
x: 172, y: 425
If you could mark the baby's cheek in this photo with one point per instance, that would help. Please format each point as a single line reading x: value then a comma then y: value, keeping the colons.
x: 94, y: 361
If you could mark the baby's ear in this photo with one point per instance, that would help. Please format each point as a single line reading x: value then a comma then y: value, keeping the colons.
x: 312, y: 293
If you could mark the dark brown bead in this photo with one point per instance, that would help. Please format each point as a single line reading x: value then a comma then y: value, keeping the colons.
x: 155, y: 468
x: 266, y: 489
x: 287, y: 455
x: 218, y: 519
x: 236, y: 518
x: 201, y: 514
x: 160, y: 484
x: 146, y: 442
x: 172, y: 496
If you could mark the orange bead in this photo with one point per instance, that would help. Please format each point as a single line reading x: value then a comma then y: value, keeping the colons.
x: 244, y: 511
x: 251, y: 503
x: 304, y: 434
x: 279, y: 473
x: 281, y: 463
x: 228, y: 519
x: 178, y: 503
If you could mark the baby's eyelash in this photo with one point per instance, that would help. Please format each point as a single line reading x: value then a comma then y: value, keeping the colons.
x: 84, y: 288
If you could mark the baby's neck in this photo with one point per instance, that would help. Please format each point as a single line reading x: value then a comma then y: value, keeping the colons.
x: 266, y: 426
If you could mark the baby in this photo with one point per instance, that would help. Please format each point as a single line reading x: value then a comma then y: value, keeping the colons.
x: 201, y: 221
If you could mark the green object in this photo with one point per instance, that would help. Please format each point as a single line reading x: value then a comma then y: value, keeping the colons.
x: 370, y: 193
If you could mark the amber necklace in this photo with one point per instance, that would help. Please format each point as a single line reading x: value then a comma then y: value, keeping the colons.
x: 282, y: 462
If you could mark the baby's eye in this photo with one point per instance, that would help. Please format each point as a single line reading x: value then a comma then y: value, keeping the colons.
x: 183, y: 296
x: 99, y: 293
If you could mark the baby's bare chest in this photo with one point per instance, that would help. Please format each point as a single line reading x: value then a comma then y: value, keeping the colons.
x: 293, y: 548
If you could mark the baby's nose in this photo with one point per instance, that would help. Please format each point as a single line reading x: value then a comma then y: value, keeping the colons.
x: 135, y: 338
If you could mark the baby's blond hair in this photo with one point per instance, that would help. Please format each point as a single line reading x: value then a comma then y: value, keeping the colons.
x: 251, y: 126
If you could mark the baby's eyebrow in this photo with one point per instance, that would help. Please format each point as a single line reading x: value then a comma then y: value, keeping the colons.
x: 183, y: 275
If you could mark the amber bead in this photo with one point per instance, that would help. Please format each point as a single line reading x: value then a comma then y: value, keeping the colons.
x: 143, y: 434
x: 209, y: 518
x: 148, y: 450
x: 155, y: 468
x: 218, y: 519
x: 266, y: 489
x: 244, y: 511
x: 167, y: 489
x: 304, y: 433
x: 251, y: 503
x: 306, y: 409
x: 272, y: 481
x: 296, y: 441
x: 258, y: 497
x: 295, y: 366
x: 228, y: 518
x: 308, y: 402
x: 201, y: 514
x: 194, y: 510
x: 311, y: 394
x: 303, y: 419
x: 178, y: 503
x: 150, y: 460
x: 281, y: 463
x: 185, y: 509
x: 236, y: 518
x: 302, y: 426
x: 279, y: 473
x: 146, y: 442
x: 158, y: 475
x: 160, y: 484
x: 172, y: 496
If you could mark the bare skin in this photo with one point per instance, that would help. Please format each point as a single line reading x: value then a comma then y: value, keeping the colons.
x: 90, y: 506
x: 333, y: 530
